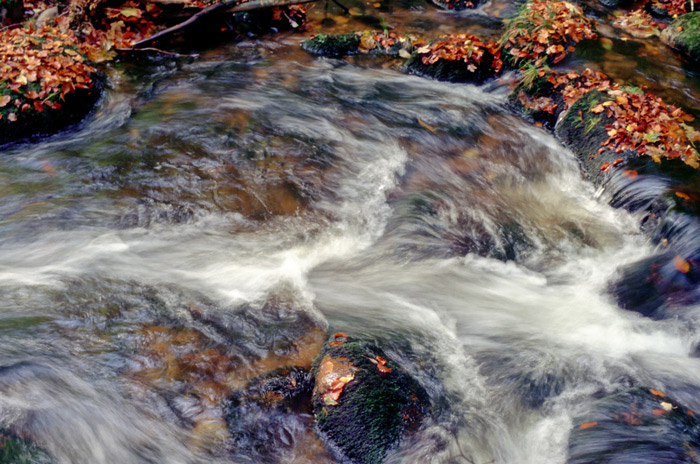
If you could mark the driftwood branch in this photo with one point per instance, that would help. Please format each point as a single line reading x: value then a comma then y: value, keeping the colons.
x: 225, y: 5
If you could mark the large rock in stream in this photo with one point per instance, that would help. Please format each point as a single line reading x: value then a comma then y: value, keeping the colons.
x: 637, y: 426
x: 364, y: 403
x: 683, y: 34
x: 663, y: 191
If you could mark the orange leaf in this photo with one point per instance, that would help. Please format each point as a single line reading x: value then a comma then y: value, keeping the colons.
x: 380, y: 360
x: 383, y: 369
x: 38, y: 106
x: 4, y: 100
x: 681, y: 264
x: 618, y: 161
x: 682, y: 195
x: 630, y: 173
x: 340, y: 334
x: 659, y: 412
x: 587, y: 425
x: 690, y: 413
x: 598, y: 109
x: 338, y: 343
x: 605, y: 167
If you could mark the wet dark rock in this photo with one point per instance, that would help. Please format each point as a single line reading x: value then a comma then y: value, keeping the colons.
x: 364, y: 403
x: 271, y: 416
x: 537, y: 101
x: 285, y: 388
x: 664, y: 194
x: 456, y: 5
x: 661, y: 285
x: 683, y: 34
x: 16, y: 450
x: 614, y: 3
x: 367, y: 42
x: 640, y: 425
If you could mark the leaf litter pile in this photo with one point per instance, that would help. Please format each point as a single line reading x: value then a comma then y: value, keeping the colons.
x: 676, y: 7
x: 544, y: 31
x: 462, y: 47
x: 39, y: 68
x: 639, y: 24
x: 43, y: 65
x: 639, y: 121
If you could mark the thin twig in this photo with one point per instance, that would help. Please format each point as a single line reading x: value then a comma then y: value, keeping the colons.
x: 157, y: 50
x: 229, y: 5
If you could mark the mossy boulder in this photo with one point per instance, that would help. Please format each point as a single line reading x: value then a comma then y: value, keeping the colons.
x: 583, y: 131
x: 365, y: 42
x: 641, y: 425
x: 15, y: 450
x: 363, y: 401
x: 683, y: 34
x: 47, y: 82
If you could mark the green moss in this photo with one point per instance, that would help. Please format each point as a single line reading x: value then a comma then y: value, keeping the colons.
x: 339, y: 45
x: 375, y: 409
x: 14, y: 450
x: 687, y: 41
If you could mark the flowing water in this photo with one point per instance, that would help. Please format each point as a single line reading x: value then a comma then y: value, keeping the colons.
x: 218, y: 216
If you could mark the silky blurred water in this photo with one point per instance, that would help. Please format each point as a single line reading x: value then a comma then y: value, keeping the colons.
x: 258, y: 195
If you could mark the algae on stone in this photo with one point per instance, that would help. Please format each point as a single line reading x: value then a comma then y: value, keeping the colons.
x: 15, y: 450
x: 683, y: 34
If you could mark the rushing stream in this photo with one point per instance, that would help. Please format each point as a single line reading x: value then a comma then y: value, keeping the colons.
x: 231, y: 209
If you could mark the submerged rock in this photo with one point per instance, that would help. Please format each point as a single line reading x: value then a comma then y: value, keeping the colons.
x: 368, y: 42
x: 640, y: 425
x: 457, y: 58
x: 363, y: 402
x: 456, y: 5
x: 683, y: 34
x: 15, y: 450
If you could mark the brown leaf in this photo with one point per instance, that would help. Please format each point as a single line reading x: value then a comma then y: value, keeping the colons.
x: 587, y: 425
